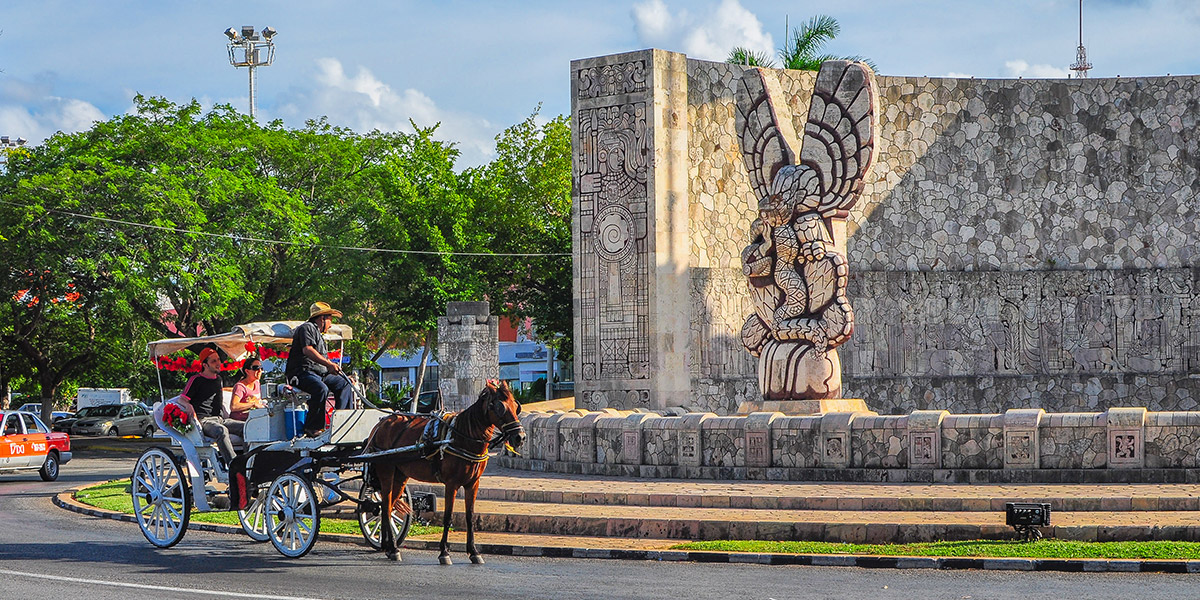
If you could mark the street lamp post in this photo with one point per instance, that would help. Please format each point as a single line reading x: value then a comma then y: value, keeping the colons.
x: 251, y: 50
x: 7, y: 146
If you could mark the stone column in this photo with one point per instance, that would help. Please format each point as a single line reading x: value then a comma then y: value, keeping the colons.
x: 630, y: 228
x: 468, y: 352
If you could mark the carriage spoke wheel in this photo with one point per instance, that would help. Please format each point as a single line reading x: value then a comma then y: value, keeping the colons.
x: 254, y: 518
x: 162, y: 501
x: 370, y: 520
x: 293, y: 515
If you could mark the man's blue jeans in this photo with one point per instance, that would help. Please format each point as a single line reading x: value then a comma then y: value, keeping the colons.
x: 318, y: 387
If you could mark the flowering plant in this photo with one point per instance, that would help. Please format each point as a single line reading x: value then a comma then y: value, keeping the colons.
x: 176, y: 418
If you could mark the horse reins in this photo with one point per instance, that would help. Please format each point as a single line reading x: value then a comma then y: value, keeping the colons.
x: 507, y: 429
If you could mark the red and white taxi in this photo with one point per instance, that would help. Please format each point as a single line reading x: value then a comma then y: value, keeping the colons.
x: 27, y: 444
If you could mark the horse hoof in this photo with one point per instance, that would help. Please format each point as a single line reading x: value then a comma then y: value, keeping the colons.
x: 476, y: 559
x: 394, y: 556
x: 445, y: 560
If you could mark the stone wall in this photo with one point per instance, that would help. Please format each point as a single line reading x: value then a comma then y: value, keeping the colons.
x: 1019, y: 243
x: 1118, y: 445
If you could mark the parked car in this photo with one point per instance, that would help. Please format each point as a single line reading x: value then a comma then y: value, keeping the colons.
x: 114, y: 419
x: 61, y: 420
x: 32, y: 407
x: 26, y: 444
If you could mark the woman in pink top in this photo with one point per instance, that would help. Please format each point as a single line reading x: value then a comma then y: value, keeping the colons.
x: 247, y: 393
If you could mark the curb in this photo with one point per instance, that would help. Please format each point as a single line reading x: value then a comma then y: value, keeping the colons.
x: 66, y: 500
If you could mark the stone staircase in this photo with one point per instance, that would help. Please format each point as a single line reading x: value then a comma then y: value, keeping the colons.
x: 519, y: 503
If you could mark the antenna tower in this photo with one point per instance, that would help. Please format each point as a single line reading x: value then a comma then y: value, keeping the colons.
x: 1081, y: 66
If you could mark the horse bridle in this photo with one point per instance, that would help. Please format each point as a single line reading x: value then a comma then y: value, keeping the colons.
x: 507, y: 430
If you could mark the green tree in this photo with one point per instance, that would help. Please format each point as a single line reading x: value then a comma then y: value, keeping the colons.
x: 524, y: 200
x: 802, y: 50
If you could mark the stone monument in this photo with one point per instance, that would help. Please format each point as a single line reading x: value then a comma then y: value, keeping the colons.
x: 468, y: 352
x: 796, y: 260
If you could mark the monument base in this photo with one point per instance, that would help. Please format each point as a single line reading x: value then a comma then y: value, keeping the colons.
x: 804, y: 407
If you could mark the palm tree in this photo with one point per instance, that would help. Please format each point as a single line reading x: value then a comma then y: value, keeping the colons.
x: 741, y: 55
x: 801, y: 51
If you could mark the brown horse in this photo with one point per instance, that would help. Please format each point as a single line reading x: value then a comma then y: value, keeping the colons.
x: 458, y: 465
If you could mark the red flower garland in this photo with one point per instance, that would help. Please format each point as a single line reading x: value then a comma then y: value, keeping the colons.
x: 181, y: 362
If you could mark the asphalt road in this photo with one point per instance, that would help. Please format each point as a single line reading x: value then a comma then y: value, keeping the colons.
x: 47, y: 552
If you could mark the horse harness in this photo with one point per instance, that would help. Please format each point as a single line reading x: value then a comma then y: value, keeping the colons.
x: 442, y: 437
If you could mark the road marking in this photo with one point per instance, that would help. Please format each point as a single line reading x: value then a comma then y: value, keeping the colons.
x: 140, y: 586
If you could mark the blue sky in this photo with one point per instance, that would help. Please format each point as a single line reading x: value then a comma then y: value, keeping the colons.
x: 478, y: 67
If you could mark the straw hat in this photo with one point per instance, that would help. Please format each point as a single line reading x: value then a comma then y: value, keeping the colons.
x: 320, y: 308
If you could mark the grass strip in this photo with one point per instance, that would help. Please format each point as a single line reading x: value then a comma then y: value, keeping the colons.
x: 973, y: 548
x: 114, y: 496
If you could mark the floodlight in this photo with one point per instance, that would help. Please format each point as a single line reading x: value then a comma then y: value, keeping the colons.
x: 248, y: 49
x: 4, y: 139
x: 1026, y: 517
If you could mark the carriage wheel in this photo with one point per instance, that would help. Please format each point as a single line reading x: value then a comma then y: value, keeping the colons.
x: 254, y: 518
x: 162, y: 501
x: 369, y: 520
x: 293, y: 517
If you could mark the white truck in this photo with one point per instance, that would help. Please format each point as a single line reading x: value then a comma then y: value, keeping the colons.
x: 98, y: 396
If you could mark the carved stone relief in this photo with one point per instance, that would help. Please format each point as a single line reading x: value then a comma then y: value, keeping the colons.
x: 612, y: 162
x: 796, y: 262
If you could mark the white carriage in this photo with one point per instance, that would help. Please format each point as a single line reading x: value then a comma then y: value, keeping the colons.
x: 280, y: 483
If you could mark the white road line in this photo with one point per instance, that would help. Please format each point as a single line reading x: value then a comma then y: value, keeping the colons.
x: 140, y: 586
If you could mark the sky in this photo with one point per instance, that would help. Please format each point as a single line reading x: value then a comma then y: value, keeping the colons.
x: 479, y: 67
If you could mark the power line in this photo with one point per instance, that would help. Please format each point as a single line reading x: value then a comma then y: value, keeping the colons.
x: 244, y: 238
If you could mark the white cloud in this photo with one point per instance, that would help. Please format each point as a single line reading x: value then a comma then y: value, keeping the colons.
x: 31, y: 111
x: 709, y: 34
x: 363, y: 102
x: 1020, y: 68
x: 958, y: 75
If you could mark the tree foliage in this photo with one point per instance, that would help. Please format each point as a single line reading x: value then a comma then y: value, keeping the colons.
x: 526, y: 197
x: 172, y: 221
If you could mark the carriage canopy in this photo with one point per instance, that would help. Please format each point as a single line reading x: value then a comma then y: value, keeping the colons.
x: 233, y: 344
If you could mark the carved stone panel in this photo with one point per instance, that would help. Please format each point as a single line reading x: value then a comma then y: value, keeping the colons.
x: 1021, y: 442
x: 1126, y: 437
x: 612, y: 165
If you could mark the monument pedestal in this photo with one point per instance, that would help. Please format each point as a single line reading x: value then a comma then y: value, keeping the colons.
x: 804, y: 407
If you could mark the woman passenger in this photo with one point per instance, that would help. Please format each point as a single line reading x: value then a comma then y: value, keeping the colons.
x: 247, y: 392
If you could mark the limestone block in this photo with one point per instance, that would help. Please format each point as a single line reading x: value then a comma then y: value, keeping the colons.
x: 879, y: 441
x: 609, y: 438
x: 723, y: 441
x: 1126, y: 437
x: 794, y: 442
x: 546, y: 431
x: 834, y: 441
x: 925, y: 438
x: 1021, y: 444
x: 758, y: 438
x: 660, y: 441
x: 631, y: 437
x: 688, y: 428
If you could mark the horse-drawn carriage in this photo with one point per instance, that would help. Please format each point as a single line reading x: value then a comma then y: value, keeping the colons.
x: 280, y: 483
